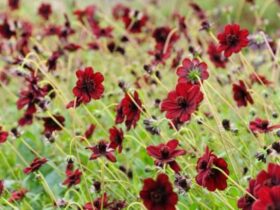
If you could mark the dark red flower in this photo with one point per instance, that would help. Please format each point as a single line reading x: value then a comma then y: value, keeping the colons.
x: 192, y: 71
x: 27, y: 119
x: 89, y: 86
x: 52, y: 60
x: 13, y: 4
x: 17, y: 195
x: 35, y: 165
x: 117, y: 205
x: 3, y: 135
x: 72, y: 47
x: 102, y: 149
x: 208, y: 176
x: 232, y: 40
x: 261, y: 126
x: 216, y: 56
x: 260, y: 79
x: 182, y: 102
x: 241, y: 94
x: 268, y: 178
x: 246, y: 202
x: 116, y: 138
x: 73, y: 178
x: 158, y: 194
x: 268, y: 198
x: 90, y: 130
x: 98, y: 204
x: 45, y: 10
x: 161, y: 34
x: 134, y: 21
x: 166, y: 154
x: 129, y: 110
x: 5, y: 30
x: 52, y: 124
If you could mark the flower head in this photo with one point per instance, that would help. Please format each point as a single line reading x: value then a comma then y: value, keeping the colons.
x: 232, y: 40
x: 166, y: 154
x: 35, y: 165
x: 259, y: 125
x: 241, y: 94
x: 129, y: 110
x: 192, y: 71
x: 208, y: 175
x: 45, y: 10
x: 102, y: 149
x: 89, y: 86
x: 116, y: 138
x: 73, y: 178
x: 3, y: 135
x: 182, y: 102
x: 159, y: 194
x: 216, y: 56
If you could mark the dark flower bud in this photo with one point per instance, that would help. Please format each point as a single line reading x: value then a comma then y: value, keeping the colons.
x: 226, y: 124
x: 276, y: 147
x: 183, y: 183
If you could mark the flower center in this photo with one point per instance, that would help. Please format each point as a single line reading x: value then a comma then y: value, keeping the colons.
x: 259, y: 39
x: 164, y: 152
x: 181, y: 101
x: 88, y: 85
x: 203, y: 165
x: 157, y: 196
x: 102, y: 147
x: 194, y: 74
x: 232, y: 40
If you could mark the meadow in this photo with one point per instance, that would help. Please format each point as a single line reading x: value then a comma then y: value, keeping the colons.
x: 140, y: 104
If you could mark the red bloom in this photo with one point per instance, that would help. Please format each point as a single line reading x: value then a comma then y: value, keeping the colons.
x: 268, y: 178
x: 166, y: 154
x: 13, y: 4
x: 246, y: 202
x: 129, y: 110
x: 73, y: 178
x: 45, y: 10
x: 98, y: 204
x: 3, y: 135
x: 134, y: 21
x: 52, y: 125
x: 208, y: 176
x: 182, y: 102
x: 116, y: 138
x: 158, y: 194
x: 232, y: 40
x: 161, y: 34
x: 241, y: 94
x: 72, y: 47
x: 35, y: 165
x: 268, y: 198
x: 102, y: 149
x: 52, y: 60
x: 6, y: 31
x: 260, y: 188
x: 261, y: 126
x: 216, y: 56
x: 17, y: 195
x: 89, y: 86
x: 90, y: 130
x: 260, y: 79
x: 192, y: 71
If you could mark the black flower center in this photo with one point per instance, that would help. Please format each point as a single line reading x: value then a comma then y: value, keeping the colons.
x: 164, y: 152
x: 88, y: 85
x: 102, y: 147
x: 232, y: 40
x: 181, y: 101
x: 158, y: 196
x: 203, y: 165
